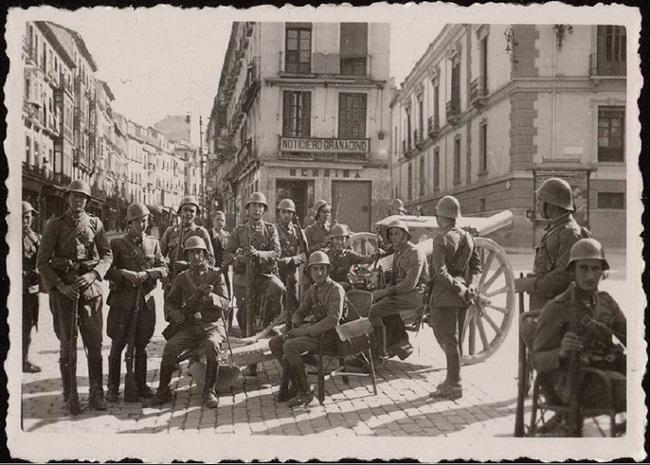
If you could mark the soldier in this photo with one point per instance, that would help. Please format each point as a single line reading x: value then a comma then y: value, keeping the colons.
x: 342, y: 257
x: 31, y: 241
x: 323, y: 305
x: 219, y: 238
x: 73, y: 258
x: 596, y: 318
x: 550, y: 277
x: 174, y: 237
x: 137, y: 266
x: 257, y: 243
x: 409, y: 273
x: 195, y: 304
x: 397, y: 208
x: 292, y: 255
x: 317, y: 233
x: 456, y: 267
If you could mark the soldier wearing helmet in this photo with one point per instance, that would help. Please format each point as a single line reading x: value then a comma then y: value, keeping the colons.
x: 292, y: 255
x: 550, y: 277
x: 342, y: 257
x: 175, y: 236
x: 320, y: 311
x: 31, y: 241
x: 196, y: 304
x: 409, y: 272
x: 137, y: 266
x: 455, y: 269
x: 72, y: 260
x: 317, y: 233
x: 397, y: 208
x: 257, y: 244
x: 585, y: 320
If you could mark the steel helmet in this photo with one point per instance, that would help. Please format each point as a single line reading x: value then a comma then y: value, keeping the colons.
x: 136, y: 210
x: 318, y: 205
x: 80, y: 186
x: 258, y: 197
x: 189, y: 200
x: 587, y: 249
x: 27, y: 207
x: 448, y: 207
x: 318, y: 258
x: 399, y: 224
x: 556, y: 191
x: 339, y: 230
x: 195, y: 242
x: 287, y: 204
x: 398, y: 205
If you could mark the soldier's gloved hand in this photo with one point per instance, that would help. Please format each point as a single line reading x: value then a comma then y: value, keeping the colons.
x: 302, y: 330
x: 252, y: 252
x: 142, y: 277
x: 525, y: 284
x: 67, y: 290
x: 570, y: 343
x: 84, y: 280
x: 131, y: 277
x: 379, y: 294
x: 177, y: 317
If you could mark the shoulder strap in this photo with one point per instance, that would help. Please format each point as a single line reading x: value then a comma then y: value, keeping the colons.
x: 138, y: 253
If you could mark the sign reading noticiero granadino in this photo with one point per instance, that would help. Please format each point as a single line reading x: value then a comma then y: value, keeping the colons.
x: 324, y: 145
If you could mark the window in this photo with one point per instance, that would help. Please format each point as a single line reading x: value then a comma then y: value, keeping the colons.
x: 456, y: 160
x: 420, y: 119
x: 455, y: 87
x: 354, y: 48
x: 436, y: 170
x: 422, y: 178
x: 610, y: 51
x: 296, y: 116
x: 610, y: 134
x: 298, y: 48
x: 352, y: 116
x: 611, y: 200
x: 28, y: 150
x: 409, y: 194
x: 482, y: 147
x: 484, y: 66
x: 436, y: 106
x: 408, y: 129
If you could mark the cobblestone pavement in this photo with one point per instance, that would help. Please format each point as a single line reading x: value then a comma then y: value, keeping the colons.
x: 401, y: 408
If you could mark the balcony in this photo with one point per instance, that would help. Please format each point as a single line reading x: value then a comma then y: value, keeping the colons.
x: 433, y: 126
x: 477, y: 93
x: 453, y: 111
x: 600, y: 67
x: 318, y: 64
x: 417, y: 138
x: 251, y: 86
x: 321, y: 148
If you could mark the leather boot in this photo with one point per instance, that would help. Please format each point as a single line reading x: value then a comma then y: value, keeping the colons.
x: 380, y: 342
x: 305, y: 394
x: 288, y: 388
x: 209, y: 398
x: 95, y: 380
x: 164, y: 394
x: 65, y: 380
x: 140, y: 370
x: 113, y: 391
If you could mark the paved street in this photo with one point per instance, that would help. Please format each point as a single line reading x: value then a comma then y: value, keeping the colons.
x: 402, y: 407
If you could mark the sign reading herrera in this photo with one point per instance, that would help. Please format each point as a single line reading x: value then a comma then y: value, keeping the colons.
x: 323, y: 145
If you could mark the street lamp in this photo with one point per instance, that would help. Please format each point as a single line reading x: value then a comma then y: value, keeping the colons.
x: 202, y: 202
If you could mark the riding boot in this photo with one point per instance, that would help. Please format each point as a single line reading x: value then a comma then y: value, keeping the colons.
x: 209, y: 398
x: 140, y: 370
x: 288, y: 387
x: 65, y: 380
x: 305, y: 394
x: 164, y: 394
x: 380, y: 342
x: 95, y: 381
x: 114, y: 367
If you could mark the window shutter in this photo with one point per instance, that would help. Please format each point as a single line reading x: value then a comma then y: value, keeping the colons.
x: 354, y: 40
x: 306, y: 114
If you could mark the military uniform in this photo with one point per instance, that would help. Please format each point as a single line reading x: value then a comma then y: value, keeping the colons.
x: 552, y: 257
x: 342, y: 261
x: 598, y: 317
x: 219, y: 242
x: 71, y: 246
x: 317, y: 236
x: 31, y: 241
x: 267, y: 290
x: 456, y: 265
x: 136, y: 254
x: 291, y: 257
x: 171, y: 246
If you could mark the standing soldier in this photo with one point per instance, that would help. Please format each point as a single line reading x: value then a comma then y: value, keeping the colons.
x: 174, y: 238
x: 257, y: 244
x: 409, y: 273
x: 292, y: 255
x: 342, y: 257
x: 219, y: 238
x: 31, y: 280
x: 137, y: 266
x: 323, y: 304
x: 317, y: 233
x: 456, y: 267
x: 195, y: 304
x: 73, y: 259
x: 397, y: 208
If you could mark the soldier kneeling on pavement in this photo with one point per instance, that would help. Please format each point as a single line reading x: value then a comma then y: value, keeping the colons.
x: 320, y: 311
x: 196, y: 305
x: 137, y: 266
x: 597, y: 318
x: 342, y: 257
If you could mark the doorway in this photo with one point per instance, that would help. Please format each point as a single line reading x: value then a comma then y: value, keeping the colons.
x: 301, y: 192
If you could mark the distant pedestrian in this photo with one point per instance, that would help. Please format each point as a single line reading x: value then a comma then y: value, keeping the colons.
x: 31, y: 242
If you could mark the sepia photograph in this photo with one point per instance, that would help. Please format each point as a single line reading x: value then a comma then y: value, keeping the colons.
x: 382, y: 232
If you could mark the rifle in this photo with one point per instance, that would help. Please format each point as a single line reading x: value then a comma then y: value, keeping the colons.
x: 249, y: 286
x: 574, y: 373
x: 73, y: 395
x: 303, y: 244
x: 130, y: 387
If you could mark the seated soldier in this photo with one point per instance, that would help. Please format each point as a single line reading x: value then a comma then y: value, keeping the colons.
x: 196, y: 303
x: 596, y: 318
x: 319, y: 312
x: 342, y: 257
x: 409, y: 271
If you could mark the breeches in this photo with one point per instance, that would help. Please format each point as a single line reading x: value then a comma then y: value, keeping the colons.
x: 386, y: 313
x: 30, y: 318
x: 191, y: 336
x: 445, y: 328
x: 89, y: 314
x: 292, y: 348
x: 289, y: 278
x: 118, y: 323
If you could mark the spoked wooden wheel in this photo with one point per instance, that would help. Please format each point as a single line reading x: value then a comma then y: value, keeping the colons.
x: 486, y: 323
